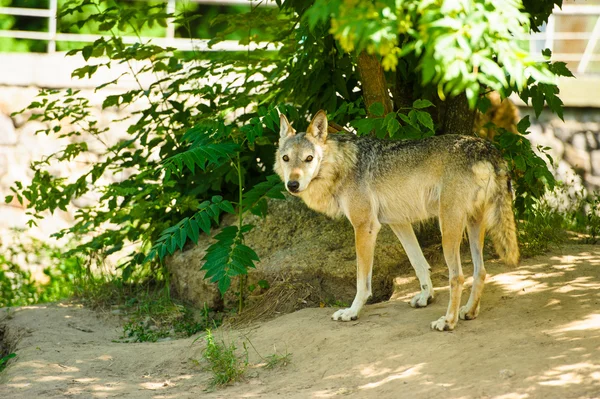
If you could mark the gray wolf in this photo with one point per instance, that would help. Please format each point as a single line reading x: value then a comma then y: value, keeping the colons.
x: 461, y: 180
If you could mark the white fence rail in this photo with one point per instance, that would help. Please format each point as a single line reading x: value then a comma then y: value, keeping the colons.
x: 184, y: 44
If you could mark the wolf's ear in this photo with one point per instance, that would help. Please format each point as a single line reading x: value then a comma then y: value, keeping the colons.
x: 285, y: 129
x: 318, y: 126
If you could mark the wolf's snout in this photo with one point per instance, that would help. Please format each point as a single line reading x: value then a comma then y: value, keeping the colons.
x: 293, y: 185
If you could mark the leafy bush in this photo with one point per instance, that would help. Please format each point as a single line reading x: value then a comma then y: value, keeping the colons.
x: 18, y: 287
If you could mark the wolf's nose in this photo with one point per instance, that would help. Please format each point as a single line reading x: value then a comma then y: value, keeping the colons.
x: 293, y: 185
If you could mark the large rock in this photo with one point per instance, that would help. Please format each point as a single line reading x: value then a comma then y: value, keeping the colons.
x: 297, y: 247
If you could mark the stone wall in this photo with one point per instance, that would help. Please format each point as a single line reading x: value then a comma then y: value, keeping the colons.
x: 574, y: 144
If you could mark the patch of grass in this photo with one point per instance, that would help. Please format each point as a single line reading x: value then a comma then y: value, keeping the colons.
x: 541, y: 229
x: 223, y: 361
x: 154, y: 315
x: 584, y: 215
x: 18, y: 287
x: 546, y: 225
x: 276, y: 360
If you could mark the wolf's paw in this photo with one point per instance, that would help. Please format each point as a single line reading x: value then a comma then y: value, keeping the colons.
x: 345, y: 315
x: 466, y: 313
x: 421, y: 300
x: 442, y: 324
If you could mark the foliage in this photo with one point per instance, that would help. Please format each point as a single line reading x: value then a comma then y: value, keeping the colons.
x: 18, y: 287
x: 530, y: 172
x: 550, y: 219
x: 583, y: 214
x: 541, y: 229
x: 223, y: 362
x: 414, y: 124
x: 200, y: 140
x: 154, y: 315
x: 462, y: 46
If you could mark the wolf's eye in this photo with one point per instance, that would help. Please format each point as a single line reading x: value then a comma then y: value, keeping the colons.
x: 286, y: 158
x: 309, y: 158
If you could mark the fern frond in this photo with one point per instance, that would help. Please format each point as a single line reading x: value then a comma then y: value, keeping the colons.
x: 255, y: 200
x: 189, y: 228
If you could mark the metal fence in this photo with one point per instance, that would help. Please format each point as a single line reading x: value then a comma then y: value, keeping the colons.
x: 548, y: 38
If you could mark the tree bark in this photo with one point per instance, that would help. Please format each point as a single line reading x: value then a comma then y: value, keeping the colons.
x: 457, y: 117
x: 403, y: 92
x: 374, y: 85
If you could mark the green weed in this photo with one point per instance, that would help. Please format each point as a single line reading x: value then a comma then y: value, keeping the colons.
x: 541, y: 229
x: 276, y: 360
x: 584, y: 215
x: 223, y: 361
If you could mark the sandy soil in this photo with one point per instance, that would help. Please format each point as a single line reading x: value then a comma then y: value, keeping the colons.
x: 538, y: 336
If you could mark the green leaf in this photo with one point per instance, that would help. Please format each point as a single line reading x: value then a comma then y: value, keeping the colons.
x: 523, y: 125
x: 224, y: 284
x: 393, y: 126
x: 376, y: 109
x: 362, y: 126
x: 254, y: 200
x: 560, y: 69
x: 418, y: 104
x: 425, y: 119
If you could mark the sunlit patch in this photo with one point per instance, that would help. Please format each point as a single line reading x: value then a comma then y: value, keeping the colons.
x: 591, y: 322
x: 519, y: 282
x: 512, y: 395
x: 570, y: 374
x: 24, y: 385
x: 47, y: 366
x: 49, y: 378
x: 552, y: 302
x: 156, y: 385
x: 410, y: 372
x: 579, y: 284
x: 105, y: 357
x: 106, y: 387
x: 85, y: 380
x: 373, y: 371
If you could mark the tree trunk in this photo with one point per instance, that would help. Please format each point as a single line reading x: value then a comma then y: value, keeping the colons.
x: 457, y: 118
x: 403, y: 92
x: 374, y: 85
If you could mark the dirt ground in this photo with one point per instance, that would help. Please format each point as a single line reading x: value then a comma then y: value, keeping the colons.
x: 537, y: 336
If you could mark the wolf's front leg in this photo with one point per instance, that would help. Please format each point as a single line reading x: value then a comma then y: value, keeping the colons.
x: 365, y: 235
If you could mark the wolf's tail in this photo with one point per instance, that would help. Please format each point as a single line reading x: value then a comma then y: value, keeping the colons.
x: 501, y: 227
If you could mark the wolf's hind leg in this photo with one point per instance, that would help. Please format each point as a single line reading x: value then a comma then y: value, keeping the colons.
x: 452, y: 222
x: 365, y: 236
x: 406, y: 235
x: 476, y: 232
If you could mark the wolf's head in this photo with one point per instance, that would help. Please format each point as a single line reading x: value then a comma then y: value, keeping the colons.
x: 299, y: 155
